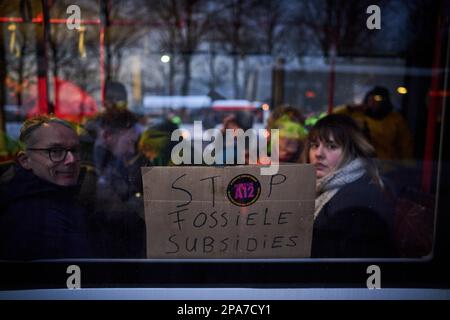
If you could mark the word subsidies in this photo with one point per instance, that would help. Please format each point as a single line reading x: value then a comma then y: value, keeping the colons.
x: 230, y: 243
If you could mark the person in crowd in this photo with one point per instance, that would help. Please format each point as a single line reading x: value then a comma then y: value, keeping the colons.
x: 116, y: 96
x: 155, y: 143
x: 292, y: 132
x: 240, y: 120
x: 292, y: 137
x: 353, y: 213
x: 386, y: 128
x: 119, y: 208
x: 40, y: 217
x: 115, y: 99
x: 286, y: 112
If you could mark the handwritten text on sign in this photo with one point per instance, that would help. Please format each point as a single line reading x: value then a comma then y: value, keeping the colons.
x: 228, y: 212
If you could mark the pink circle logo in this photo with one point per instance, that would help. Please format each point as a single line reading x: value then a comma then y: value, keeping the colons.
x: 243, y: 190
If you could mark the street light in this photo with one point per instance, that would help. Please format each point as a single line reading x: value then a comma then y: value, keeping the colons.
x: 165, y: 58
x: 402, y: 90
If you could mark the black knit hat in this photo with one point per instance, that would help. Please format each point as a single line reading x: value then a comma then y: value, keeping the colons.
x: 381, y: 95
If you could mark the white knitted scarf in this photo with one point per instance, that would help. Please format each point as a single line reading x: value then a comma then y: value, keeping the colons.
x: 326, y: 187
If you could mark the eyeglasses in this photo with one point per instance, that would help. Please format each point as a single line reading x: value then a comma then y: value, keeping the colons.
x: 59, y: 154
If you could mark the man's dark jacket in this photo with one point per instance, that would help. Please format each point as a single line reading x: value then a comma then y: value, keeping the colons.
x: 40, y: 220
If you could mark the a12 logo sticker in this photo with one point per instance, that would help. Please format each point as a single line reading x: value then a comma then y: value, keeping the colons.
x: 244, y: 190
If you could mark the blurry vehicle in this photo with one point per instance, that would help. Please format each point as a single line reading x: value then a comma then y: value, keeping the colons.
x: 201, y: 108
x: 223, y: 108
x: 186, y: 110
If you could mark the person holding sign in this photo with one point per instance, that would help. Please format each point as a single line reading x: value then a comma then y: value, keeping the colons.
x: 353, y: 216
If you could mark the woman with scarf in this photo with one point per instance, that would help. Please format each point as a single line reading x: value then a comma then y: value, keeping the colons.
x: 353, y: 216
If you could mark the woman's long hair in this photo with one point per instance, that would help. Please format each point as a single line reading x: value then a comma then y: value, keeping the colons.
x: 347, y: 135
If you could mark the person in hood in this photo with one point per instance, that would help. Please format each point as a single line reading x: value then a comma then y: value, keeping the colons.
x: 385, y: 128
x: 39, y: 214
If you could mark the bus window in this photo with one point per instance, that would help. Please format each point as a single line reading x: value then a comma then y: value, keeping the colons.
x: 126, y: 75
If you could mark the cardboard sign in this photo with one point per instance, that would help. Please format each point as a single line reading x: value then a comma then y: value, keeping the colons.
x: 229, y: 212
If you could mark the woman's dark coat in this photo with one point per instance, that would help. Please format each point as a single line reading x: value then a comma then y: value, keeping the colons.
x: 355, y: 222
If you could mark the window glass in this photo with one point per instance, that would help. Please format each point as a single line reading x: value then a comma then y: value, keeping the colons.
x: 345, y: 101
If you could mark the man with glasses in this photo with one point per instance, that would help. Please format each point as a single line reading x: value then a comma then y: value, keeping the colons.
x: 39, y: 215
